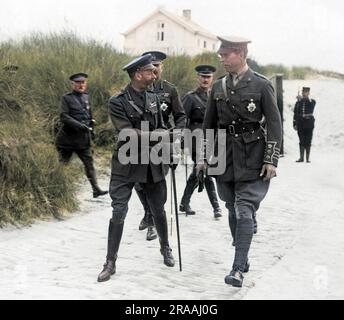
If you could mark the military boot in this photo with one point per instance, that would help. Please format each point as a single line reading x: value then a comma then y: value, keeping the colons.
x: 191, y: 185
x: 151, y: 233
x: 187, y: 209
x: 308, y: 152
x: 302, y: 153
x: 232, y: 225
x: 144, y: 222
x: 211, y: 191
x: 235, y: 278
x: 166, y: 252
x: 148, y: 216
x: 114, y: 238
x: 97, y: 192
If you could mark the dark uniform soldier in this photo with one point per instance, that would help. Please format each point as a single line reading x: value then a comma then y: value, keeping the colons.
x: 127, y: 111
x: 304, y: 122
x: 174, y: 117
x: 77, y: 128
x: 237, y: 104
x: 194, y: 103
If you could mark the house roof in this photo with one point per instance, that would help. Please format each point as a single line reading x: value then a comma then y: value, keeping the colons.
x: 188, y: 24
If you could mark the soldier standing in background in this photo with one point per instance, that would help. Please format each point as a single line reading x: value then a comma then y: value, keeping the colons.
x: 77, y: 129
x: 174, y: 117
x: 195, y: 103
x: 135, y: 105
x: 304, y: 122
x: 237, y: 104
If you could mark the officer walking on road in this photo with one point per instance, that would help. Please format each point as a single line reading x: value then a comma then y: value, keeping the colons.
x: 304, y: 122
x: 174, y: 117
x: 77, y: 129
x: 135, y: 105
x: 195, y: 103
x: 237, y: 104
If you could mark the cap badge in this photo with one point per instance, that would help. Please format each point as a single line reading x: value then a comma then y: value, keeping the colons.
x: 252, y: 106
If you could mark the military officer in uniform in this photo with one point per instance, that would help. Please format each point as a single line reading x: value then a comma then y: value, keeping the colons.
x: 127, y: 111
x: 194, y: 103
x: 174, y: 117
x: 304, y: 122
x: 77, y: 129
x: 237, y: 104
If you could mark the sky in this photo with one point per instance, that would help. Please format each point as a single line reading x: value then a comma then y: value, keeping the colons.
x: 290, y: 32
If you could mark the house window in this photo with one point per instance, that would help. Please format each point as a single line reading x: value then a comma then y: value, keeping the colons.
x: 199, y: 42
x: 214, y: 46
x: 161, y: 33
x: 205, y: 44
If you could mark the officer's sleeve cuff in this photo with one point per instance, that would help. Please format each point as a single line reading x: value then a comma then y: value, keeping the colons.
x: 272, y: 153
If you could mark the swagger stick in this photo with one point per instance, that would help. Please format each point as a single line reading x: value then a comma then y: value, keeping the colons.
x: 177, y: 219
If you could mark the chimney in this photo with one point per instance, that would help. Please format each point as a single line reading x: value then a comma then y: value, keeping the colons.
x: 187, y: 14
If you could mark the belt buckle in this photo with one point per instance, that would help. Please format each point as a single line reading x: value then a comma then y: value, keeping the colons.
x: 231, y: 129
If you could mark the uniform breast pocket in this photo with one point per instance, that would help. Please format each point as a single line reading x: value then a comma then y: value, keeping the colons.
x: 251, y: 102
x: 135, y: 119
x: 254, y: 149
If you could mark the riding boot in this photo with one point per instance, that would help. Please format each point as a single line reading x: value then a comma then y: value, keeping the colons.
x: 302, y: 152
x: 114, y: 239
x: 244, y: 235
x: 91, y: 175
x: 308, y: 151
x: 191, y: 185
x: 162, y: 229
x: 232, y: 224
x: 211, y: 191
x: 147, y: 220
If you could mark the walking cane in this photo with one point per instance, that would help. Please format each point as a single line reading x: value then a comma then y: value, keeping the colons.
x: 171, y: 206
x: 177, y: 219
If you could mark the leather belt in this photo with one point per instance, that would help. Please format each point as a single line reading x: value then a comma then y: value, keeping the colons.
x: 241, y: 128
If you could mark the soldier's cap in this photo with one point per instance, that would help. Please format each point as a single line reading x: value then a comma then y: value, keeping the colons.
x: 232, y: 42
x: 306, y: 89
x: 205, y: 70
x: 157, y: 56
x: 141, y: 63
x: 78, y: 77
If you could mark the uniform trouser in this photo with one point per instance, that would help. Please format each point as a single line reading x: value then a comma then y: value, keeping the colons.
x: 85, y: 155
x: 242, y: 201
x: 305, y: 136
x: 192, y: 184
x: 143, y: 198
x: 120, y: 192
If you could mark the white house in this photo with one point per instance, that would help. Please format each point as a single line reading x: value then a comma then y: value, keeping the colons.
x: 169, y: 33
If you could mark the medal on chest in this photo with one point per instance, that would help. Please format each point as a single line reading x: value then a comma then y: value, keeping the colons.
x: 251, y: 106
x: 164, y: 106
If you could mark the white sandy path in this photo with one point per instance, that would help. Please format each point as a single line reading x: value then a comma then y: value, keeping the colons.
x: 297, y: 253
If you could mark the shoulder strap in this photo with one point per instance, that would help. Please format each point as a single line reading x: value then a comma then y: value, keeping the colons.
x: 199, y: 100
x: 224, y: 87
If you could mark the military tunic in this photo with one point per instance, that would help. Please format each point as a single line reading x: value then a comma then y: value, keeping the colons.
x: 195, y: 103
x: 76, y: 116
x: 304, y: 120
x: 243, y: 106
x: 124, y: 115
x: 171, y: 107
